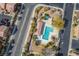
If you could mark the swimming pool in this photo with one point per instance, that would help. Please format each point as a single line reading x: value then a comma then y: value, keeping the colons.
x: 47, y: 32
x: 47, y: 16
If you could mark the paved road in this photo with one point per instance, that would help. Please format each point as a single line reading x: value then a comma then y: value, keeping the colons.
x: 20, y: 38
x: 13, y: 36
x: 57, y: 4
x: 66, y: 37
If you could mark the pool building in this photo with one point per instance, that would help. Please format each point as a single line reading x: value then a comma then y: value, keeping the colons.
x: 45, y: 31
x: 40, y: 27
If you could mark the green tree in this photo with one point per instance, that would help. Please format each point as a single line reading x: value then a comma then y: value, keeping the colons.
x: 49, y: 44
x: 58, y: 22
x: 33, y: 26
x: 38, y: 9
x: 24, y: 53
x: 54, y: 48
x: 34, y: 37
x: 27, y: 47
x: 31, y: 54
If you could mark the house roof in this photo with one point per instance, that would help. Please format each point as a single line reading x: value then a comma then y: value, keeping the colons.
x: 39, y: 28
x: 2, y: 30
x: 9, y: 6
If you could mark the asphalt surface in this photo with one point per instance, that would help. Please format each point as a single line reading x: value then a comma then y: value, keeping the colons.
x: 60, y: 5
x: 64, y: 41
x: 21, y: 33
x: 12, y: 37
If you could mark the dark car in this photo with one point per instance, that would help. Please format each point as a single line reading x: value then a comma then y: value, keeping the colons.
x: 13, y: 41
x: 22, y: 11
x: 66, y: 22
x: 14, y: 30
x: 20, y: 18
x: 62, y: 31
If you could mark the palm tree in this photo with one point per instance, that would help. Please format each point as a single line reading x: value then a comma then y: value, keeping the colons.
x: 15, y: 18
x: 5, y: 8
x: 31, y: 54
x: 24, y: 54
x: 49, y: 44
x: 17, y: 7
x: 46, y: 9
x: 34, y: 37
x: 54, y: 48
x: 38, y: 9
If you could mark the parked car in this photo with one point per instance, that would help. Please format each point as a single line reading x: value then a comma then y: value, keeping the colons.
x: 20, y: 18
x: 66, y: 22
x: 22, y: 11
x: 62, y: 31
x: 20, y: 14
x: 14, y: 30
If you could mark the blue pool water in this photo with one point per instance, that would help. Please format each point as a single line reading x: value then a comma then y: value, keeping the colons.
x: 47, y: 32
x: 46, y: 17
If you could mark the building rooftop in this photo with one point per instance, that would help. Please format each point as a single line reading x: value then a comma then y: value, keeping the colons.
x: 7, y: 7
x: 2, y: 30
x: 40, y: 27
